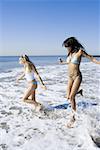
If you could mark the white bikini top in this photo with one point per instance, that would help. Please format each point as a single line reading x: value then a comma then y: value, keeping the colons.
x: 73, y: 59
x: 29, y: 76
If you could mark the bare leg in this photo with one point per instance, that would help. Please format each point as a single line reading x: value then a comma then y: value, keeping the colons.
x: 27, y: 94
x: 80, y: 92
x: 74, y: 90
x: 37, y: 105
x: 69, y: 86
x: 30, y: 92
x: 70, y: 124
x: 31, y: 98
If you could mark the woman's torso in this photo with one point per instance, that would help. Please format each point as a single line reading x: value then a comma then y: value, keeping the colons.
x: 29, y: 74
x: 74, y: 64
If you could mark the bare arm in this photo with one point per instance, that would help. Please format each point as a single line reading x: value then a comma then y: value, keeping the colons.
x: 90, y: 57
x: 38, y: 76
x: 21, y: 77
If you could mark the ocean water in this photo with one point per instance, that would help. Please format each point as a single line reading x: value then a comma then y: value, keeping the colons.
x: 9, y: 62
x: 22, y: 128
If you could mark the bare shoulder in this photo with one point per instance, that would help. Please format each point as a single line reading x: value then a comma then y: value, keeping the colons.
x: 80, y: 53
x: 30, y: 65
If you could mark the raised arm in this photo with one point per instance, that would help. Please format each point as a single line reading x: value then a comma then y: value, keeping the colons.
x: 90, y: 57
x: 38, y: 76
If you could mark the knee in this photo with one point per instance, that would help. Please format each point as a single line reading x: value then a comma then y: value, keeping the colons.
x: 24, y: 98
x: 72, y: 96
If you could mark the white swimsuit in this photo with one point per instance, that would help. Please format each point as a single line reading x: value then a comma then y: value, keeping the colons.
x: 73, y: 59
x: 29, y: 76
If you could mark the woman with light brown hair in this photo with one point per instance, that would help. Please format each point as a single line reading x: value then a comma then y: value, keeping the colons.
x: 29, y: 71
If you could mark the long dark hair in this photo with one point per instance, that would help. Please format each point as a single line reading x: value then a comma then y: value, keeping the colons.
x: 73, y: 43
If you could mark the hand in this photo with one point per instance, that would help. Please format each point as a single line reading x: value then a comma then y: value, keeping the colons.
x: 44, y: 87
x: 60, y: 61
x: 95, y: 61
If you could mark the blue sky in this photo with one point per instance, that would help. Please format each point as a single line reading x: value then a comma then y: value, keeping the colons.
x: 38, y: 27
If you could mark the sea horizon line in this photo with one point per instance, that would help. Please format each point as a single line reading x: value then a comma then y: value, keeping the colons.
x: 40, y: 55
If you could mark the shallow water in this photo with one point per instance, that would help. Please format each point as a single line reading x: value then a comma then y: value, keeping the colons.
x: 21, y: 128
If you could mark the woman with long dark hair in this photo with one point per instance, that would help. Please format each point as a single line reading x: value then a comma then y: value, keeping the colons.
x: 75, y: 53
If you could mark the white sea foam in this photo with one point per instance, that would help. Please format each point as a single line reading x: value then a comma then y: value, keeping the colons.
x: 21, y: 128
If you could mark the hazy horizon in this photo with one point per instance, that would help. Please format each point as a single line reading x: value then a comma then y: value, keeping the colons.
x: 39, y: 55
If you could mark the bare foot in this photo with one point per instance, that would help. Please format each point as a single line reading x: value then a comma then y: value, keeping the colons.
x: 71, y: 122
x: 38, y: 107
x: 80, y: 92
x: 28, y: 101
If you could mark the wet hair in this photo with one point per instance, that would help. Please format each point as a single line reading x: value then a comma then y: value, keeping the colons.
x: 73, y: 43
